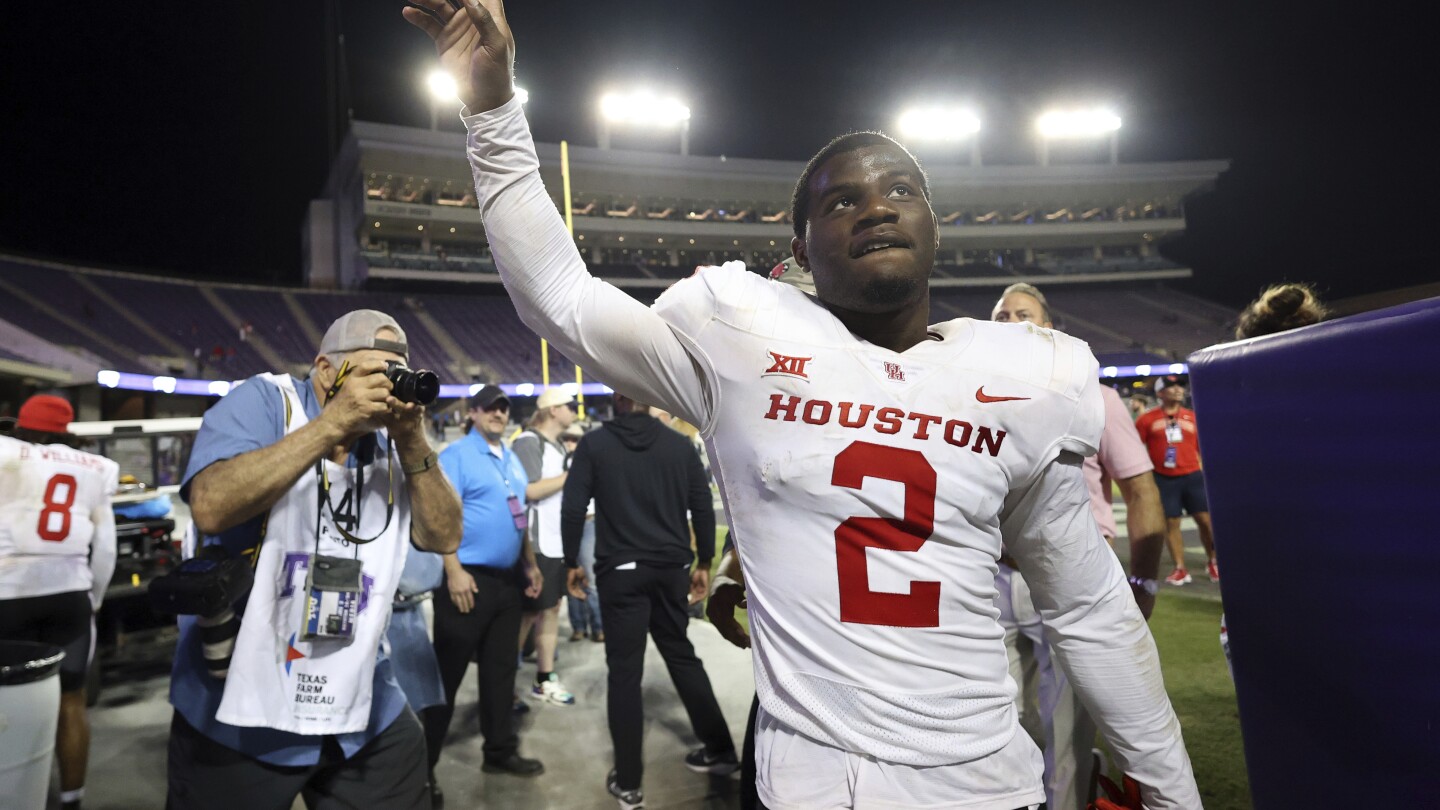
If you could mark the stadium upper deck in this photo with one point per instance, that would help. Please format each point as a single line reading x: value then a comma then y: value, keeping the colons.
x: 62, y: 324
x: 400, y: 205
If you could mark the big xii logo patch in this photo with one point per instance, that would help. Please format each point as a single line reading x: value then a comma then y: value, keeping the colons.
x: 783, y: 365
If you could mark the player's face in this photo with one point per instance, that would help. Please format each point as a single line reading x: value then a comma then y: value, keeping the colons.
x: 1018, y: 307
x: 870, y: 238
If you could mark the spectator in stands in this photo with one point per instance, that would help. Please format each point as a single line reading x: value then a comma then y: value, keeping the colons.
x: 57, y: 552
x: 643, y: 478
x: 585, y: 617
x: 327, y: 480
x: 492, y: 551
x: 1069, y: 732
x: 1169, y: 433
x: 544, y: 458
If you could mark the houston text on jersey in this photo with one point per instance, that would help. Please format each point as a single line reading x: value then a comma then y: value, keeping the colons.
x: 889, y: 421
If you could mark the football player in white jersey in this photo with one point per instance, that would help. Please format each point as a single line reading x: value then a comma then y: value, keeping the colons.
x: 57, y: 552
x: 870, y: 465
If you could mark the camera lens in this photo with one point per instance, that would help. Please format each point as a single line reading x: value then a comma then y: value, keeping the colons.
x: 420, y: 386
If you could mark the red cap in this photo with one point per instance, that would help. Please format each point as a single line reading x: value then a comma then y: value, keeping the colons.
x: 44, y: 413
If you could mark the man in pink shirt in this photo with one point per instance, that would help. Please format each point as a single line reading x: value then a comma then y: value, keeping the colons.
x: 1124, y: 462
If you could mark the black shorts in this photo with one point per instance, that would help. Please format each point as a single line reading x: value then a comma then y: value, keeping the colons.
x: 554, y: 572
x: 62, y: 619
x: 1182, y: 493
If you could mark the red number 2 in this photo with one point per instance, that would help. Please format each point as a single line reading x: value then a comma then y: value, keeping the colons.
x: 858, y: 604
x: 57, y: 507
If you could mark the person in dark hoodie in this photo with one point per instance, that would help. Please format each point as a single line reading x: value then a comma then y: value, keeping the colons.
x: 643, y: 478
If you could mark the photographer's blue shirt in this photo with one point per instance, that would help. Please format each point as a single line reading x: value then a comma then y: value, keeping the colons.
x: 485, y: 480
x: 249, y: 418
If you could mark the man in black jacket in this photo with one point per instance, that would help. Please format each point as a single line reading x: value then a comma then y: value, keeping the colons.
x: 644, y: 477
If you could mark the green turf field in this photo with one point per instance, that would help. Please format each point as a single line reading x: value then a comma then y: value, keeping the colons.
x: 1187, y: 631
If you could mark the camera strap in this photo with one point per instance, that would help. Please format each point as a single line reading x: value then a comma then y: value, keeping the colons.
x: 356, y: 493
x: 340, y: 377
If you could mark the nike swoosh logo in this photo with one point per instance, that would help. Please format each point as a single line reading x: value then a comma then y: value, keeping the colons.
x: 984, y: 397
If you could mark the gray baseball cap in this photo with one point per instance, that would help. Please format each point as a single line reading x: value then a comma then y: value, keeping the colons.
x: 356, y: 330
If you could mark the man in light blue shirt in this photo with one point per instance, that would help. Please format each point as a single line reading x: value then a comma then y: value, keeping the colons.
x: 479, y: 606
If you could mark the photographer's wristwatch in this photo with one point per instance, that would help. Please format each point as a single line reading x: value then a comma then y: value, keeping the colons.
x: 429, y: 462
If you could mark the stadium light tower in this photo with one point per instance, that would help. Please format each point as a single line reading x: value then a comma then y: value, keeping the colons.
x: 1078, y: 125
x: 444, y: 92
x: 643, y: 109
x: 942, y: 125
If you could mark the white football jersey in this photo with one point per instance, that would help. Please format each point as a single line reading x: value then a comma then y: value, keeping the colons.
x: 869, y: 491
x: 54, y: 502
x: 865, y: 489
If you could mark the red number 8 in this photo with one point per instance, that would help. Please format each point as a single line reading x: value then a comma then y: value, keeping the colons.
x: 56, y: 507
x: 858, y: 604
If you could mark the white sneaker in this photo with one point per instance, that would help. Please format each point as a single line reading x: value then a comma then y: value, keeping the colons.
x: 552, y: 691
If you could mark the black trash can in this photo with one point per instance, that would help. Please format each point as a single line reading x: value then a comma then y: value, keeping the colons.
x: 29, y: 712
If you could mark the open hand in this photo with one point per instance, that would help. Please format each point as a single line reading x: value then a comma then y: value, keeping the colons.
x: 699, y: 584
x: 720, y: 610
x: 363, y: 402
x: 576, y: 582
x: 406, y: 423
x: 474, y: 44
x: 462, y: 589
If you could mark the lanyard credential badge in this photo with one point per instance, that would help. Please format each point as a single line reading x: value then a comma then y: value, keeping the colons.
x: 517, y: 511
x: 332, y: 588
x: 1174, y: 434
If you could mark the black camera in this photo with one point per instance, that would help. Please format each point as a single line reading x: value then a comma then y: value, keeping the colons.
x: 420, y: 386
x: 204, y: 585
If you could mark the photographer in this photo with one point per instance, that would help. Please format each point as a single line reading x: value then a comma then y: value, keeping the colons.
x: 316, y: 483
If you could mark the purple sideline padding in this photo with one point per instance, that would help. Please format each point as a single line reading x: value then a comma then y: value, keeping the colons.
x: 1321, y: 448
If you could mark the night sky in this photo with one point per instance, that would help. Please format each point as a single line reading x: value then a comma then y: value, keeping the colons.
x: 187, y: 139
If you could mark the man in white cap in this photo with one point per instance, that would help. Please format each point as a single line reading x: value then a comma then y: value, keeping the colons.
x: 543, y: 455
x: 322, y: 484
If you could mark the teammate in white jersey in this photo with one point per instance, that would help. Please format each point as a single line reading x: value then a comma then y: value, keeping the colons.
x: 870, y: 466
x: 57, y: 552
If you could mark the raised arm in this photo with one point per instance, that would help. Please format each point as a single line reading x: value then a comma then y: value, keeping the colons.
x: 1097, y: 632
x: 610, y: 334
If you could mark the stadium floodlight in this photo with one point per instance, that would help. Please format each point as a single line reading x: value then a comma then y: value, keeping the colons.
x: 108, y: 377
x: 646, y: 109
x: 442, y: 85
x: 1078, y: 124
x: 942, y: 125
